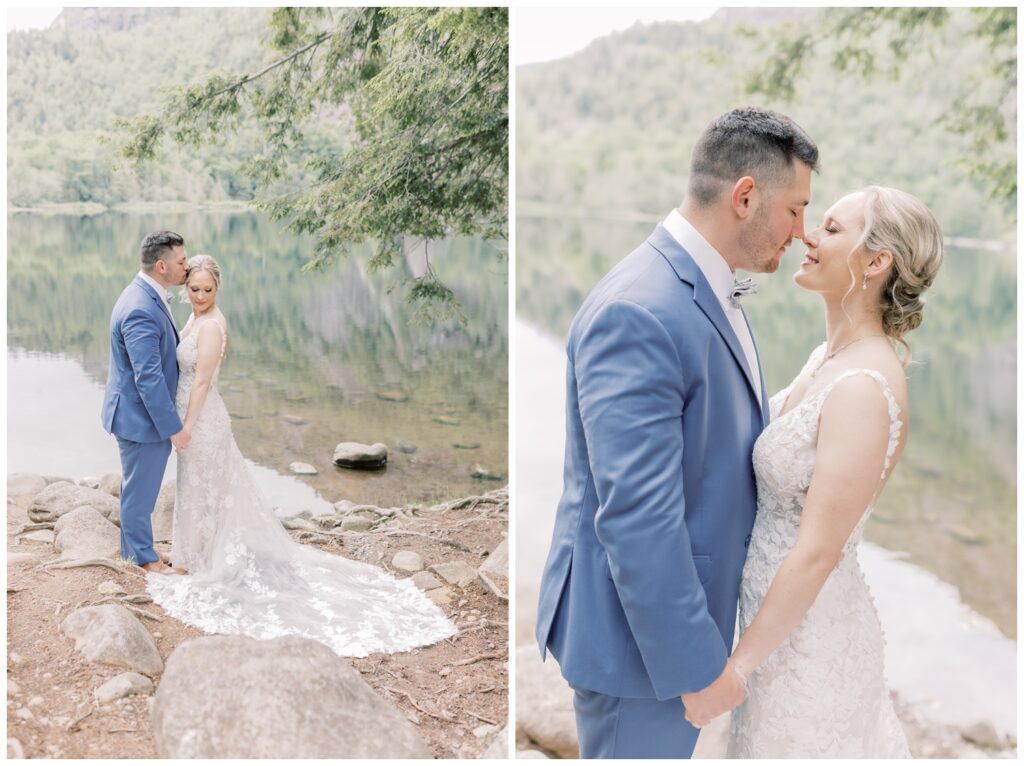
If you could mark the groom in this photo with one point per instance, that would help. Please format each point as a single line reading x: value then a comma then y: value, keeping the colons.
x: 138, y: 405
x: 665, y: 397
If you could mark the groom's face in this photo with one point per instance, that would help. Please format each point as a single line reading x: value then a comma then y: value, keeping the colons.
x: 777, y: 221
x: 174, y: 266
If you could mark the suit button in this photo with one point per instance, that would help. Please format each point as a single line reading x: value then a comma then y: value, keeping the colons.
x: 746, y: 543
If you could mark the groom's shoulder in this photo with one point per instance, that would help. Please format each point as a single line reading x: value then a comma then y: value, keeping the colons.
x: 643, y: 277
x: 133, y: 298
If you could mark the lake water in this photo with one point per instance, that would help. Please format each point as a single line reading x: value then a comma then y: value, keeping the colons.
x: 953, y: 663
x: 315, y: 358
x: 951, y: 504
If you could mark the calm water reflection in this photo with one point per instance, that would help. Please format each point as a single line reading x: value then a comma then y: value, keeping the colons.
x: 951, y: 504
x: 315, y: 358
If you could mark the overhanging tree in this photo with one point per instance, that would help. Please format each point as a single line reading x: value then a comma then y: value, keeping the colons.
x: 872, y: 42
x: 420, y: 98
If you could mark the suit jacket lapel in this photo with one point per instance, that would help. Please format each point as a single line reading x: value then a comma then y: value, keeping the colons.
x: 687, y: 270
x: 160, y: 302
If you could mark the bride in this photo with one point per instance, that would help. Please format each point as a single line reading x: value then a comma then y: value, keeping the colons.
x: 245, y: 574
x: 811, y: 647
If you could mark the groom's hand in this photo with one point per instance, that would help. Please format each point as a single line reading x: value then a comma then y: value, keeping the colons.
x: 181, y: 440
x: 725, y: 692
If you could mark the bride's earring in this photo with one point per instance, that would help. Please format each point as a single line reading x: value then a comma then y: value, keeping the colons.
x: 864, y: 284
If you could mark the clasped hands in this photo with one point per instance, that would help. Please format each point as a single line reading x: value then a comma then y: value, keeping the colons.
x: 725, y: 692
x: 181, y: 439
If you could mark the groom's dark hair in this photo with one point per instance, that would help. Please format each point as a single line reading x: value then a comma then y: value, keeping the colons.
x: 158, y: 245
x: 747, y: 142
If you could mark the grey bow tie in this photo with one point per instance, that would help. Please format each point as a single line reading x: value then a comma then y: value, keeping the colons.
x: 741, y: 288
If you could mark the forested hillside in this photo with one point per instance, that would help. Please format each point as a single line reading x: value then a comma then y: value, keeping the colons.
x: 67, y: 85
x: 620, y: 119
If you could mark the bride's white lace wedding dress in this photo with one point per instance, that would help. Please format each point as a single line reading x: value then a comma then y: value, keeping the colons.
x: 822, y: 693
x: 247, y: 576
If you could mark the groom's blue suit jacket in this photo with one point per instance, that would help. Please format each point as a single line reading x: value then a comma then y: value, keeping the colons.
x: 639, y: 593
x: 138, y: 403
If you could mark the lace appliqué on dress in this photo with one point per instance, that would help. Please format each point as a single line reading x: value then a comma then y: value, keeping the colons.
x: 822, y: 693
x: 247, y: 576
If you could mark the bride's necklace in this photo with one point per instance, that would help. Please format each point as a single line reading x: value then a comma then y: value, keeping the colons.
x: 845, y: 345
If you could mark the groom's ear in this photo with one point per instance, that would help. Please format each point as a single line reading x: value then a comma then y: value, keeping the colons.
x: 744, y: 196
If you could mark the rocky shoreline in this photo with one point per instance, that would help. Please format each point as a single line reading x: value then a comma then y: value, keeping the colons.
x: 95, y: 669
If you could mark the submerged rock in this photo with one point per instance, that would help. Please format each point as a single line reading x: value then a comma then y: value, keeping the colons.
x: 484, y: 474
x: 362, y: 456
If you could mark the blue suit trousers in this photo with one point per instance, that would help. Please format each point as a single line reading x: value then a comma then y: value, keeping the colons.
x: 142, y: 467
x: 623, y: 727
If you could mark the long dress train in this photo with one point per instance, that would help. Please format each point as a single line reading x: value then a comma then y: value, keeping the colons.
x: 247, y: 576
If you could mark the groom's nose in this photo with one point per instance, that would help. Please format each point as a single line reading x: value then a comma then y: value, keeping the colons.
x: 798, y: 225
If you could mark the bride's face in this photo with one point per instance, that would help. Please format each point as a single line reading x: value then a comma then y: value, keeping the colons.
x: 826, y: 265
x: 202, y: 291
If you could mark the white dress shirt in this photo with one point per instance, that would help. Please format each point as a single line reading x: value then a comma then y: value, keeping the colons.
x: 718, y: 274
x: 160, y: 289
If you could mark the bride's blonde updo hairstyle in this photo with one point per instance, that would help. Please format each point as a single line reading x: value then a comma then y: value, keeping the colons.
x: 196, y: 264
x: 199, y: 263
x: 903, y: 225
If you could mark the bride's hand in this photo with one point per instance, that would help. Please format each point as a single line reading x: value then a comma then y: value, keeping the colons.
x: 726, y: 692
x: 181, y: 439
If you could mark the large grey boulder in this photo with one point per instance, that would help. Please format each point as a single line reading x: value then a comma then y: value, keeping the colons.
x: 163, y: 512
x: 111, y: 484
x: 110, y: 634
x: 499, y: 745
x: 14, y: 749
x: 63, y: 497
x: 356, y: 455
x: 85, y: 533
x: 544, y: 711
x: 494, y: 571
x: 23, y: 487
x: 288, y: 697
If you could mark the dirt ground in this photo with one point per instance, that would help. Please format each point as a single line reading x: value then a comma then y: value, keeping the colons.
x: 455, y: 692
